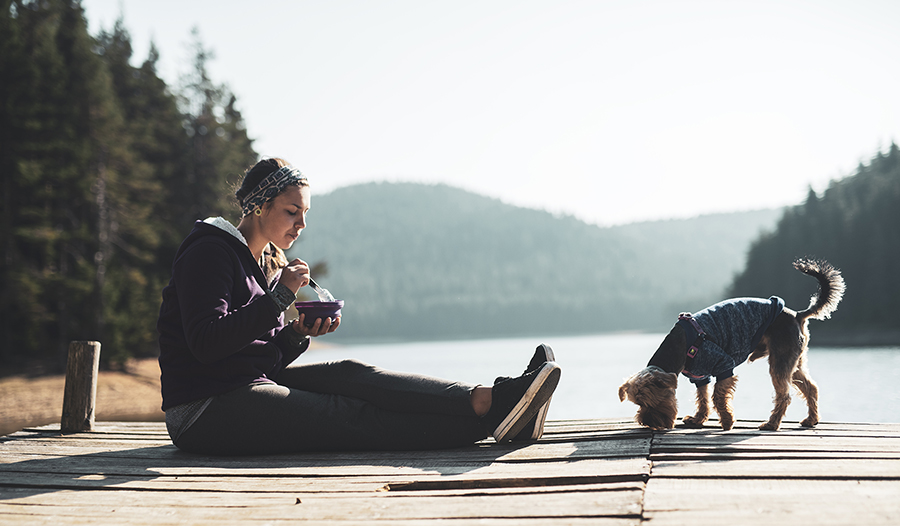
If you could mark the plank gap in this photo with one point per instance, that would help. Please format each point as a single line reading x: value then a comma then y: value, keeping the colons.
x: 518, y: 482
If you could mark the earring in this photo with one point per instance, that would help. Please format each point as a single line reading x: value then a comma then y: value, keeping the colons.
x: 258, y: 211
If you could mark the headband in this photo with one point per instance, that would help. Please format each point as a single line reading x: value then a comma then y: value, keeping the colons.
x: 270, y: 187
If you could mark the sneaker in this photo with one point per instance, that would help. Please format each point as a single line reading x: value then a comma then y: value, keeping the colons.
x: 534, y: 429
x: 542, y: 354
x: 517, y: 400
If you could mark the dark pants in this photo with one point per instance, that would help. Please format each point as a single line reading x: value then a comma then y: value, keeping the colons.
x: 345, y: 405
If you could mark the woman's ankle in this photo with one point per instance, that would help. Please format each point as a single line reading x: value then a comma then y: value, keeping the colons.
x: 481, y: 400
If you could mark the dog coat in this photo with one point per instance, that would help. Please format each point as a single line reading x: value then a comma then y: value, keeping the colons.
x: 732, y: 330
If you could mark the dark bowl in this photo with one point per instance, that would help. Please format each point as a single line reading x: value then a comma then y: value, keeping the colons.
x: 319, y: 309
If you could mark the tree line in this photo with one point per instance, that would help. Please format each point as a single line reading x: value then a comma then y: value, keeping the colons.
x: 855, y: 225
x: 104, y: 168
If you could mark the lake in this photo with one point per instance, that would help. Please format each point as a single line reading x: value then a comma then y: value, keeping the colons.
x: 856, y: 384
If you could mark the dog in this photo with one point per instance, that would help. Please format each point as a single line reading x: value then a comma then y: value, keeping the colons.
x: 715, y: 340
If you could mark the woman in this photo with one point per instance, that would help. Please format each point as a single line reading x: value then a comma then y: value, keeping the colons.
x: 224, y: 352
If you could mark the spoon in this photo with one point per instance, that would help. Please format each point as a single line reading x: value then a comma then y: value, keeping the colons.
x: 323, y: 294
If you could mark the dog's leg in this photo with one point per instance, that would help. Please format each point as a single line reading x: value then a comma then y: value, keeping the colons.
x: 781, y: 371
x: 702, y: 413
x: 810, y: 391
x: 723, y: 394
x: 787, y: 343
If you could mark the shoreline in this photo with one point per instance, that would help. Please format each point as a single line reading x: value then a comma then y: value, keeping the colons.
x: 857, y: 338
x: 819, y: 338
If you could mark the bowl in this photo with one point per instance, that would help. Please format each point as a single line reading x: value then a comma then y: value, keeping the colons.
x: 318, y: 309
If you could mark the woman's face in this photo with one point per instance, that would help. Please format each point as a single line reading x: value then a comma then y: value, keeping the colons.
x: 285, y: 216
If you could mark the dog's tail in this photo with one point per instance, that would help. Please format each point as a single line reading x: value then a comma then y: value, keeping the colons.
x: 831, y: 288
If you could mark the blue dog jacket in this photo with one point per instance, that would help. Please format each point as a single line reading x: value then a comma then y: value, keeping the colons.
x: 732, y: 330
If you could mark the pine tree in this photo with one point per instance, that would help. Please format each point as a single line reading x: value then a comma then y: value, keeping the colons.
x: 74, y: 191
x: 15, y: 105
x: 220, y: 148
x: 130, y: 293
x: 87, y: 194
x: 855, y: 225
x: 47, y: 200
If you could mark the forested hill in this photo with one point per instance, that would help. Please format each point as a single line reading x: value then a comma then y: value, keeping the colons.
x: 418, y: 261
x: 855, y: 225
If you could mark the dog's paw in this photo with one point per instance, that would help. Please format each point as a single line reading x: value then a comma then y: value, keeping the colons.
x: 809, y: 422
x: 727, y: 422
x: 693, y: 421
x: 768, y: 426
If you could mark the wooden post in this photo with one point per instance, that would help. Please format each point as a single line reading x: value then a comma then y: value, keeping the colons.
x: 81, y: 387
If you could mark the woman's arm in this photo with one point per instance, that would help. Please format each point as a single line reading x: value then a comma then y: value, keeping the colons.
x: 216, y: 323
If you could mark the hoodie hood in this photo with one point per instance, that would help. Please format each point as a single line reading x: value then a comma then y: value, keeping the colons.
x: 225, y: 225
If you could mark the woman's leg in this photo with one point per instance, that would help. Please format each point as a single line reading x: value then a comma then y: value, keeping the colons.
x: 413, y: 393
x: 349, y: 405
x: 270, y: 418
x: 391, y: 390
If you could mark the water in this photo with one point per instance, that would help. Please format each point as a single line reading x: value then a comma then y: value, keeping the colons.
x: 856, y: 384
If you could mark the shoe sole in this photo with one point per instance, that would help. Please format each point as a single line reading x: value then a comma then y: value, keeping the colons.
x: 537, y: 394
x: 542, y: 412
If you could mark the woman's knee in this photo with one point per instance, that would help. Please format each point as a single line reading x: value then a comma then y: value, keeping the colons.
x: 353, y: 366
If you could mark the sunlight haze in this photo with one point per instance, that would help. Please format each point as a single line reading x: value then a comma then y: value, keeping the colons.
x: 609, y: 111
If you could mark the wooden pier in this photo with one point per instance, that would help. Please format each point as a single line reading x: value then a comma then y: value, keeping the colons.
x: 581, y: 472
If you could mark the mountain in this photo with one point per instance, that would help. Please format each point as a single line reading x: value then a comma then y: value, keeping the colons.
x: 415, y: 261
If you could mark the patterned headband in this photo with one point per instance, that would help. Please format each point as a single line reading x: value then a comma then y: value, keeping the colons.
x: 271, y: 186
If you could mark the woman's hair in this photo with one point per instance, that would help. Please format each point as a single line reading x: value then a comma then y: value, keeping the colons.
x: 256, y: 173
x: 252, y: 177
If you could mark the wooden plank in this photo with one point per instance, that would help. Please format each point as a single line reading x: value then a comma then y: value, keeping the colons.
x: 671, y: 448
x: 672, y: 502
x: 121, y: 435
x: 748, y: 426
x: 155, y: 498
x: 8, y: 519
x: 107, y: 443
x: 380, y: 506
x: 770, y: 455
x: 102, y: 426
x: 56, y: 449
x: 223, y: 521
x: 587, y: 467
x: 591, y: 425
x: 333, y: 477
x: 810, y: 436
x: 169, y: 456
x: 886, y: 443
x: 836, y: 469
x: 612, y: 448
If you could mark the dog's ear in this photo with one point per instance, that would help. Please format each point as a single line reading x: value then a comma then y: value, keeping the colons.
x: 664, y: 380
x: 623, y: 391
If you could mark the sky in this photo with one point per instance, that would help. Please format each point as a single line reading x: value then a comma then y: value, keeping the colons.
x: 610, y: 111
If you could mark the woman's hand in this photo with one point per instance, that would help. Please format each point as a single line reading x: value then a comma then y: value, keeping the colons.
x: 295, y: 275
x: 319, y: 328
